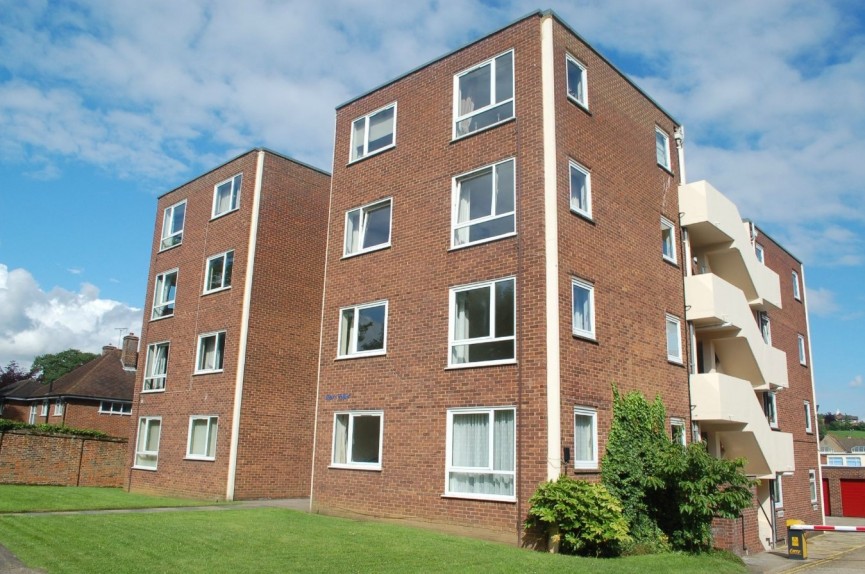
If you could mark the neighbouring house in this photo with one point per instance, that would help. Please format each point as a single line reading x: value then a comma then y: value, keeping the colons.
x: 843, y: 463
x: 97, y: 395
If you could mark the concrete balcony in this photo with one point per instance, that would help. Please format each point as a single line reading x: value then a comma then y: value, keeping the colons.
x: 718, y: 235
x: 729, y: 407
x: 721, y: 314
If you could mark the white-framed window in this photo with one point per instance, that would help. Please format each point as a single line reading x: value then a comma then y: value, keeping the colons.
x: 367, y: 228
x: 583, y: 305
x: 481, y: 447
x: 483, y: 204
x: 674, y: 339
x: 765, y: 326
x: 812, y: 485
x: 585, y: 437
x: 156, y: 367
x: 226, y: 195
x: 677, y: 431
x: 172, y: 225
x: 147, y: 443
x: 210, y: 354
x: 800, y: 341
x: 201, y: 444
x: 761, y: 255
x: 218, y: 273
x: 114, y: 408
x: 853, y: 461
x: 835, y: 460
x: 581, y: 189
x: 373, y: 133
x: 164, y: 294
x: 795, y: 278
x: 58, y: 407
x: 363, y: 330
x: 776, y: 491
x: 482, y: 323
x: 809, y: 428
x: 858, y: 448
x: 44, y: 410
x: 662, y: 148
x: 668, y: 240
x: 357, y: 439
x: 770, y: 409
x: 31, y: 419
x: 577, y: 81
x: 484, y: 95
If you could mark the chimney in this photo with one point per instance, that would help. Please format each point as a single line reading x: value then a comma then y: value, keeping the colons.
x: 107, y: 349
x: 129, y: 353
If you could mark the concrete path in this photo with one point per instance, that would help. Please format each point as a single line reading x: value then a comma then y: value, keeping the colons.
x: 826, y: 551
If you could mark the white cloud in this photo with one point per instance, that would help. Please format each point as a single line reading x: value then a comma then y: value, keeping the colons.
x: 33, y: 321
x: 856, y: 382
x: 821, y: 301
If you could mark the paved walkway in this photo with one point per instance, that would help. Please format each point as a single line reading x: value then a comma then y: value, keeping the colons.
x: 822, y: 548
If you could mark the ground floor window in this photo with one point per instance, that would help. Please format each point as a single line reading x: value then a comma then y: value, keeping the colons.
x: 147, y: 444
x: 357, y: 439
x: 481, y: 450
x: 202, y: 437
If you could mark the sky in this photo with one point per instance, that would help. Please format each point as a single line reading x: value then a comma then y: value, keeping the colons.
x: 105, y: 105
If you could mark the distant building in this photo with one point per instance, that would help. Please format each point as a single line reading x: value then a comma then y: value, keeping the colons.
x: 843, y: 462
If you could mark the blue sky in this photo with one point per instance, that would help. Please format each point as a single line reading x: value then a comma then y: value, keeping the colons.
x: 106, y: 105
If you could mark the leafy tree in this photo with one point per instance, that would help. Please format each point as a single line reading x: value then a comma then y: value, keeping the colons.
x: 55, y: 365
x: 13, y: 373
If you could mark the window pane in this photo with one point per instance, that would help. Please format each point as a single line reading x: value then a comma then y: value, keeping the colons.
x: 582, y: 309
x: 505, y: 308
x: 229, y: 265
x: 503, y: 440
x: 352, y: 232
x: 673, y: 339
x: 358, y: 138
x: 575, y: 81
x: 583, y: 438
x: 198, y: 437
x: 340, y: 439
x: 475, y: 90
x: 579, y: 190
x: 476, y: 196
x: 377, y: 229
x: 152, y: 435
x: 489, y: 228
x: 381, y: 130
x: 473, y: 313
x: 370, y: 328
x: 505, y: 187
x: 504, y: 77
x: 661, y: 147
x: 493, y: 351
x: 365, y: 438
x: 470, y: 438
x: 215, y: 270
x: 493, y: 115
x: 345, y: 329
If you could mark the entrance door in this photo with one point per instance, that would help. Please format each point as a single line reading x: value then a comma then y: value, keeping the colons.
x: 827, y: 502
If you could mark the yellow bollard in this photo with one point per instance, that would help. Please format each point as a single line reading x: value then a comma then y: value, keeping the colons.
x: 797, y: 547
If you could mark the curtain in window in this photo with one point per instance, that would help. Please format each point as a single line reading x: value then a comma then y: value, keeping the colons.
x: 223, y: 198
x: 467, y: 106
x: 208, y: 353
x: 470, y: 449
x: 340, y: 439
x: 198, y: 437
x: 583, y: 438
x: 582, y: 309
x: 461, y: 327
x: 673, y: 339
x: 503, y: 441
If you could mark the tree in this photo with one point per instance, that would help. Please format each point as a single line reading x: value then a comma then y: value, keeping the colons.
x: 55, y: 365
x: 13, y: 373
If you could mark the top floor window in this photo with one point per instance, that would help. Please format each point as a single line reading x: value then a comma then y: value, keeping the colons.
x: 367, y: 228
x: 172, y: 225
x: 164, y: 293
x: 576, y: 81
x: 373, y: 133
x: 662, y: 148
x: 758, y: 251
x: 795, y: 277
x: 484, y: 204
x: 484, y: 95
x: 226, y: 195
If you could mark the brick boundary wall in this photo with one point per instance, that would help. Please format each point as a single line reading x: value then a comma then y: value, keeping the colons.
x: 61, y: 460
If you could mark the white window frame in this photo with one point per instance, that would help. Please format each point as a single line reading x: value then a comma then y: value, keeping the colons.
x: 363, y: 221
x: 590, y: 289
x: 145, y: 424
x: 168, y: 238
x: 587, y: 210
x: 677, y: 356
x: 44, y: 411
x: 809, y: 425
x: 353, y: 332
x: 770, y: 403
x: 349, y: 440
x: 581, y: 99
x: 858, y: 448
x: 794, y: 276
x: 456, y: 187
x: 588, y: 463
x: 779, y: 491
x: 800, y: 344
x: 812, y: 485
x: 662, y: 156
x: 365, y: 153
x: 490, y: 337
x: 834, y: 461
x: 678, y: 423
x: 208, y: 271
x: 115, y: 408
x: 468, y: 116
x: 160, y: 302
x: 488, y: 468
x: 235, y: 182
x: 764, y: 324
x: 667, y: 225
x: 760, y: 253
x: 855, y: 461
x: 212, y: 428
x: 58, y: 407
x: 219, y: 353
x: 154, y: 381
x: 34, y: 408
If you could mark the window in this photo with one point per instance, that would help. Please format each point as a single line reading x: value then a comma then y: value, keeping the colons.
x: 480, y: 453
x: 226, y: 195
x: 858, y: 449
x: 808, y: 426
x: 812, y: 485
x: 156, y: 367
x: 164, y: 294
x: 835, y: 461
x: 363, y: 330
x: 795, y: 278
x: 801, y: 343
x: 218, y: 274
x: 776, y: 492
x: 211, y: 347
x: 758, y: 251
x: 483, y: 204
x: 32, y: 418
x: 584, y: 308
x: 114, y: 408
x: 172, y: 225
x: 765, y: 326
x: 373, y: 133
x: 484, y: 95
x: 585, y: 438
x: 662, y: 148
x: 357, y: 440
x: 147, y: 445
x: 674, y: 339
x: 581, y: 189
x: 482, y: 319
x: 853, y: 461
x: 770, y: 409
x: 576, y: 81
x: 44, y: 411
x: 668, y: 240
x: 367, y: 228
x: 201, y: 444
x: 677, y: 431
x: 58, y: 407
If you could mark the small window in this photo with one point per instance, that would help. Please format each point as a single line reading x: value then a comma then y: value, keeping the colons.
x: 835, y: 460
x: 147, y: 445
x: 776, y: 491
x: 201, y: 444
x: 858, y: 449
x: 114, y: 408
x: 758, y: 251
x: 481, y: 445
x: 795, y: 278
x: 812, y: 485
x: 373, y: 133
x: 581, y: 189
x: 226, y: 195
x: 363, y: 330
x: 218, y: 274
x: 483, y: 204
x: 357, y: 440
x: 482, y: 323
x: 668, y: 240
x: 677, y: 431
x: 770, y: 409
x: 44, y: 411
x: 367, y: 228
x: 674, y: 339
x: 58, y: 407
x: 800, y: 339
x: 164, y: 293
x: 484, y: 95
x: 662, y: 148
x: 577, y: 81
x: 584, y: 308
x: 585, y: 438
x: 765, y: 326
x: 156, y: 367
x: 31, y: 419
x: 172, y: 225
x: 211, y: 348
x: 808, y: 425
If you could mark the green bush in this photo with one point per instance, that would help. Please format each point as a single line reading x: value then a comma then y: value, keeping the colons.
x: 6, y: 424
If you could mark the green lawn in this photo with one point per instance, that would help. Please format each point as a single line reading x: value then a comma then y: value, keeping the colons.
x: 15, y: 498
x: 847, y: 433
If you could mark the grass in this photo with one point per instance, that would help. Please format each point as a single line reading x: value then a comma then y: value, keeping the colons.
x: 15, y: 498
x: 847, y: 433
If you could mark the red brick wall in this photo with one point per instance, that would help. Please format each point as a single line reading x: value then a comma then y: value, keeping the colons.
x: 835, y: 475
x: 77, y: 413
